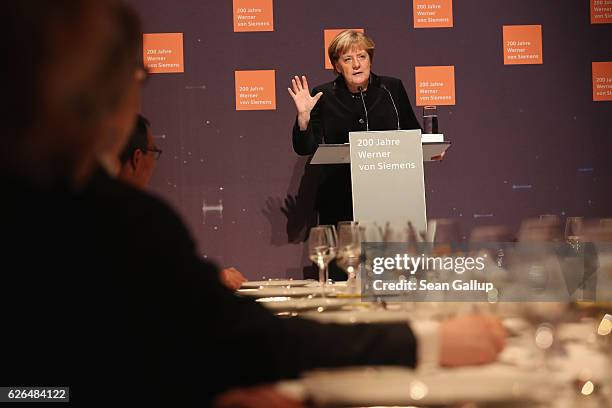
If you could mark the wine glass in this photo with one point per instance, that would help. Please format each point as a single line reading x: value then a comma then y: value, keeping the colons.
x: 322, y: 248
x: 334, y: 248
x: 544, y: 319
x: 349, y: 251
x: 333, y: 232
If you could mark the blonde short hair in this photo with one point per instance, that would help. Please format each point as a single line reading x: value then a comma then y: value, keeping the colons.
x: 347, y: 40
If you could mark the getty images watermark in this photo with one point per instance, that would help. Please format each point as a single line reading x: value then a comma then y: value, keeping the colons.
x: 412, y: 264
x: 493, y: 272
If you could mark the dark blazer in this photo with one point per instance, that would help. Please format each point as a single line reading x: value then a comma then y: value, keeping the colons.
x: 339, y: 112
x: 103, y: 291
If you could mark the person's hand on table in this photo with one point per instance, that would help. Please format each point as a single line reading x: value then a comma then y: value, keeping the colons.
x: 232, y: 278
x: 254, y: 397
x: 471, y: 340
x: 304, y: 102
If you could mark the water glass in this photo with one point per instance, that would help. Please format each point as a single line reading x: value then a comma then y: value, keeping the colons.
x: 430, y: 119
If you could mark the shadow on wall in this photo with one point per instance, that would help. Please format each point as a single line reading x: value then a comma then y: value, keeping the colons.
x: 292, y: 217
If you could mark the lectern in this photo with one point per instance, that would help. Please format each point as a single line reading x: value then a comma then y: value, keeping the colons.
x: 386, y: 174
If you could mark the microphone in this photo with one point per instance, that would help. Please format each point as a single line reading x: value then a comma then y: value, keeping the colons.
x: 360, y: 89
x: 393, y: 102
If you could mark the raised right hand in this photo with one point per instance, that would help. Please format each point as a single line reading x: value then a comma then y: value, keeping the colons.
x: 304, y: 102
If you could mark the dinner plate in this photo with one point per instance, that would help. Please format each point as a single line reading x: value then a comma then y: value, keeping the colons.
x: 284, y: 304
x: 360, y: 316
x: 398, y: 386
x: 274, y: 291
x: 276, y: 282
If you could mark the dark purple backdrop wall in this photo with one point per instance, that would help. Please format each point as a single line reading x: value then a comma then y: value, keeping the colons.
x: 527, y: 139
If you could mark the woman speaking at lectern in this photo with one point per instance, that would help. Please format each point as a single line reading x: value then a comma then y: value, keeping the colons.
x: 357, y: 100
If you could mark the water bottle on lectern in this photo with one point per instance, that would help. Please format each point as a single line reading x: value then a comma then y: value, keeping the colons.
x: 430, y: 119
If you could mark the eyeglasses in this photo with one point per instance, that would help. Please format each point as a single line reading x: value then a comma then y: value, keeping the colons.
x: 156, y: 152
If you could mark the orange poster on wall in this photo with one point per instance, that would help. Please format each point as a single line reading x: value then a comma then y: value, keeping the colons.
x: 432, y: 13
x: 435, y: 85
x: 522, y: 44
x: 328, y: 37
x: 255, y: 90
x: 253, y: 15
x: 601, y: 11
x: 163, y: 52
x: 602, y: 81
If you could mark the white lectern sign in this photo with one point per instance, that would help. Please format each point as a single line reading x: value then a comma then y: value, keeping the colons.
x: 387, y: 177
